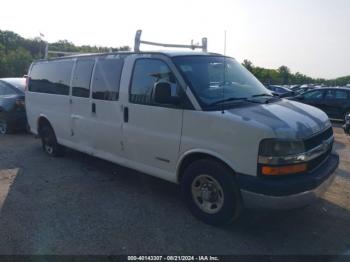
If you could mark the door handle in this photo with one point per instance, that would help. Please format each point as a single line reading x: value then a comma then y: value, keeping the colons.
x: 126, y: 114
x: 93, y: 108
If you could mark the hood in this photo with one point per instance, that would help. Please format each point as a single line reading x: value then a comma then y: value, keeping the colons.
x: 285, y: 119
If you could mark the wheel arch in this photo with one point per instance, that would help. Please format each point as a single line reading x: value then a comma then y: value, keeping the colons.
x: 193, y: 155
x: 42, y: 120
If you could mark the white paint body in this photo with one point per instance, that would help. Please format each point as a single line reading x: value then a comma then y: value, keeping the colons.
x: 232, y: 136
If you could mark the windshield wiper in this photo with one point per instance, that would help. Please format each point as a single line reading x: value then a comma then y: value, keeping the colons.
x: 228, y: 100
x: 264, y: 94
x: 270, y: 97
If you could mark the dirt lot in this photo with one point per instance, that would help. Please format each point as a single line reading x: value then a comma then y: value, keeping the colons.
x: 82, y: 205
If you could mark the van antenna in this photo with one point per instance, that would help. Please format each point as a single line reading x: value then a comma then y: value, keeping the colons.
x: 224, y: 83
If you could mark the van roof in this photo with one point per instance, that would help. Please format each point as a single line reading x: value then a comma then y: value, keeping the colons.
x: 167, y: 53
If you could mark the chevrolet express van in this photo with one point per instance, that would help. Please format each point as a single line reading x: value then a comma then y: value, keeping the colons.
x: 193, y: 118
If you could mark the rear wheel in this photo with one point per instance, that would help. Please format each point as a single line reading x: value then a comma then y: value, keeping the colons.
x: 211, y: 192
x: 49, y: 142
x: 4, y: 128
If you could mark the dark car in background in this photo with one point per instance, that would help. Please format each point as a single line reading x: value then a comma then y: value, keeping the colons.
x: 335, y: 102
x: 280, y: 91
x: 12, y: 106
x: 302, y: 90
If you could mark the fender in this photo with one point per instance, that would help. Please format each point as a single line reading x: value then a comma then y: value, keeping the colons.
x: 210, y: 153
x: 36, y: 128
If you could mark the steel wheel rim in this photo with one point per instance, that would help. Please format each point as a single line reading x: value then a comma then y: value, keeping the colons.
x: 3, y: 128
x: 207, y: 194
x: 47, y: 144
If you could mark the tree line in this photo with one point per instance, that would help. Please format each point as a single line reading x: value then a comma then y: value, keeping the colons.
x: 17, y: 53
x: 284, y: 76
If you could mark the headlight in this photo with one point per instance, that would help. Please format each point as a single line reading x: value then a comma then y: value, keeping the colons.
x: 273, y: 147
x: 281, y: 157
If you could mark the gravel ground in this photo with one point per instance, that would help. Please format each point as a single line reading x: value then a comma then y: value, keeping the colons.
x: 82, y: 205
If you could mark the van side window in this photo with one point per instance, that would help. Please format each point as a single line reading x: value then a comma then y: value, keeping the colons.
x: 82, y: 78
x: 51, y: 77
x: 106, y: 79
x: 148, y: 72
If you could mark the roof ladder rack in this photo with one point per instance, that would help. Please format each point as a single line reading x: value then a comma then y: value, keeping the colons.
x: 63, y: 53
x: 138, y: 42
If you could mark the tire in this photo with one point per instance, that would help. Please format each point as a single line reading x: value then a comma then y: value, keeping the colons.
x: 4, y: 128
x: 49, y: 142
x: 346, y: 114
x: 223, y: 204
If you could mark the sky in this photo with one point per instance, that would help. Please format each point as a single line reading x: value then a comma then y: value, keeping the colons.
x: 309, y: 36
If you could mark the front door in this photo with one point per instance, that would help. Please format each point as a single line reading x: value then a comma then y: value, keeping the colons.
x: 152, y: 131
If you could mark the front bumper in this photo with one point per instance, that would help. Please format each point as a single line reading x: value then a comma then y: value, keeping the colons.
x: 346, y: 128
x: 291, y: 192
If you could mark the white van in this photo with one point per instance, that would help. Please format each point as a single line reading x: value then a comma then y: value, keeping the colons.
x: 193, y: 118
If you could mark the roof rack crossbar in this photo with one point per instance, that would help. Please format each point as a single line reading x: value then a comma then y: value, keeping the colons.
x: 138, y: 42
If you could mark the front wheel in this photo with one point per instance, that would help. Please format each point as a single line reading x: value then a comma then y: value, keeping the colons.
x: 49, y: 142
x: 346, y: 116
x: 211, y: 192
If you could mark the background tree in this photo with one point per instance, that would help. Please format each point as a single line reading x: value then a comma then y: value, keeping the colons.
x: 248, y: 64
x: 284, y: 72
x: 17, y: 53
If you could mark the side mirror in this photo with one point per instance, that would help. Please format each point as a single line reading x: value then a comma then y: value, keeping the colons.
x: 162, y: 94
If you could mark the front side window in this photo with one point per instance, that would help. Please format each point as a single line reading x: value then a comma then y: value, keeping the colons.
x: 314, y: 95
x: 82, y: 78
x: 147, y: 73
x: 216, y: 78
x: 51, y: 77
x: 329, y: 95
x: 106, y: 80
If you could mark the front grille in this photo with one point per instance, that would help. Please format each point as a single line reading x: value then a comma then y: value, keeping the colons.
x: 314, y: 163
x: 318, y: 139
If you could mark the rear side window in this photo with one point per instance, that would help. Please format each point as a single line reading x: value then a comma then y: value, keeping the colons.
x: 51, y: 77
x: 82, y: 77
x: 148, y: 72
x: 106, y: 80
x: 341, y: 94
x: 336, y: 94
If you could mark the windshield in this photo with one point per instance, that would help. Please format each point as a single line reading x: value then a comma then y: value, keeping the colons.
x: 216, y: 79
